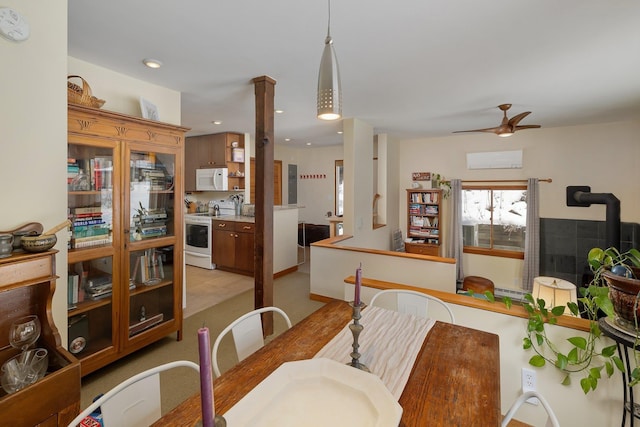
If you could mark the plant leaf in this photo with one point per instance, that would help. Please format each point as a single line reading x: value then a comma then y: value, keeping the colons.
x: 537, y: 361
x: 566, y: 380
x: 579, y: 342
x: 508, y: 302
x: 573, y: 355
x: 562, y: 361
x: 558, y: 311
x: 609, y: 368
x: 618, y: 363
x: 585, y: 383
x: 526, y: 343
x: 609, y: 351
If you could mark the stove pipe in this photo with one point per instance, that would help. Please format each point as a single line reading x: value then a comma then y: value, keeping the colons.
x: 582, y: 196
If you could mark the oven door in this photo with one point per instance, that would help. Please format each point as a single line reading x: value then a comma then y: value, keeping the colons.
x: 197, y: 238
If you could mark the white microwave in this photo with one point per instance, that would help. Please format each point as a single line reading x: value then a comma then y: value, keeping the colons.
x: 212, y: 179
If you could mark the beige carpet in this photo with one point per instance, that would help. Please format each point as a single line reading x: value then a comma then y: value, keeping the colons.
x: 206, y: 288
x: 291, y: 293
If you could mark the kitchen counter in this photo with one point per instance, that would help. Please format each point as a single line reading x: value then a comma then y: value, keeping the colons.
x: 285, y: 235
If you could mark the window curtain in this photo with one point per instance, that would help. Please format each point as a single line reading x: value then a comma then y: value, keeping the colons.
x: 454, y: 250
x: 532, y: 237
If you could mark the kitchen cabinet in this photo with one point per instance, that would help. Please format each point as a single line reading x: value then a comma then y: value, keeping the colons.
x: 218, y: 150
x: 233, y: 246
x: 125, y: 252
x: 423, y: 222
x: 27, y: 284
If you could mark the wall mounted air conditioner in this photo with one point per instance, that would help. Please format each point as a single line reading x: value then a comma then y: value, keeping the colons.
x: 495, y: 160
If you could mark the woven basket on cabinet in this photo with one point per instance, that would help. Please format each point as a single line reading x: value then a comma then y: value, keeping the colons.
x: 82, y: 94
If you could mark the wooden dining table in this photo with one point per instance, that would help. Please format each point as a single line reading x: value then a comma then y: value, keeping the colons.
x: 455, y: 380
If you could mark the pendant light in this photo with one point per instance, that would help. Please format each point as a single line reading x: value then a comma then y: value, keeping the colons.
x: 329, y: 88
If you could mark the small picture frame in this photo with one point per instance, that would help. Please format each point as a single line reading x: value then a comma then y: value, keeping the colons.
x: 149, y: 110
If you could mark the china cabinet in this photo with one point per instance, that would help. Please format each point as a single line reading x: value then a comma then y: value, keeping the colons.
x: 27, y: 284
x: 125, y: 195
x: 423, y: 222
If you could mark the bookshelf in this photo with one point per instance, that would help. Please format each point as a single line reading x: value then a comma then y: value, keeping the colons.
x: 125, y: 192
x: 423, y: 222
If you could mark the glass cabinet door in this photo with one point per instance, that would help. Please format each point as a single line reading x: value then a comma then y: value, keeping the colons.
x: 92, y: 267
x: 152, y: 223
x: 151, y: 294
x: 151, y: 201
x: 90, y: 179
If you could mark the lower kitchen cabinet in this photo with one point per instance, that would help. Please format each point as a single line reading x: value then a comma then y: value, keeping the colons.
x: 233, y: 246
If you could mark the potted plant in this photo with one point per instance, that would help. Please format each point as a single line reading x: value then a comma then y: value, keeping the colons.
x: 438, y: 181
x: 585, y: 355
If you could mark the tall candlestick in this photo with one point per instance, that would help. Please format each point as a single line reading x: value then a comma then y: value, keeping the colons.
x: 356, y: 297
x: 206, y: 380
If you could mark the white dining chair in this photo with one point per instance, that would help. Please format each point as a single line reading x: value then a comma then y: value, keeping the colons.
x: 247, y: 334
x: 134, y: 402
x: 414, y: 302
x: 552, y: 420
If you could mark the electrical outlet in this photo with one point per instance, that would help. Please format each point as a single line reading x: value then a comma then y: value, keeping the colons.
x: 529, y: 383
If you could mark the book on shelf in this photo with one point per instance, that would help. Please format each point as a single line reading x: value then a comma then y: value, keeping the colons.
x: 90, y: 241
x: 86, y: 210
x: 73, y: 288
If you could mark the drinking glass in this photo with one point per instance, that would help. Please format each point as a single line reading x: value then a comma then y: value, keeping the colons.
x: 24, y: 332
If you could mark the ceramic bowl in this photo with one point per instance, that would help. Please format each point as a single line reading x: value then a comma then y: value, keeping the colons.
x: 40, y: 243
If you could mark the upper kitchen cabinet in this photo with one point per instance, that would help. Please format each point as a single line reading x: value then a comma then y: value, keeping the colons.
x: 125, y: 263
x: 218, y: 150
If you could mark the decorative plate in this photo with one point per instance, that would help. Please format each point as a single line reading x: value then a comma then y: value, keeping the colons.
x: 317, y: 392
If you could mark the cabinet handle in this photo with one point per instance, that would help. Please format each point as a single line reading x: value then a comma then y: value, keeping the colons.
x: 246, y: 227
x: 222, y: 225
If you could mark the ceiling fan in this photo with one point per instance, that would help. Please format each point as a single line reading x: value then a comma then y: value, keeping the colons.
x: 508, y: 126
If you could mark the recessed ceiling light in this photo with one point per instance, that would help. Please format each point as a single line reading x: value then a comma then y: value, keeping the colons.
x: 216, y: 122
x: 287, y: 139
x: 339, y: 132
x: 152, y: 63
x: 279, y: 111
x: 308, y: 143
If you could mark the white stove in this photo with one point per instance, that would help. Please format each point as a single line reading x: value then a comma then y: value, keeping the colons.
x: 198, y: 245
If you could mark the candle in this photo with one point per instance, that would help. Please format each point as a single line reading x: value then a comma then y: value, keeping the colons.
x: 356, y: 297
x: 206, y: 381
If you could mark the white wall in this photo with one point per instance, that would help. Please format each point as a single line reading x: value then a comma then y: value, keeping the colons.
x: 33, y: 140
x: 317, y: 195
x: 330, y: 266
x: 122, y: 93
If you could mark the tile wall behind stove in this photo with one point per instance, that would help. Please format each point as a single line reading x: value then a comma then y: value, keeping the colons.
x: 565, y: 243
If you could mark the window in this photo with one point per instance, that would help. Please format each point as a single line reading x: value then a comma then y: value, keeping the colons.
x: 494, y: 220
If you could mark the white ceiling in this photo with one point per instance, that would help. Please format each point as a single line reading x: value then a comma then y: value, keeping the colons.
x: 410, y: 68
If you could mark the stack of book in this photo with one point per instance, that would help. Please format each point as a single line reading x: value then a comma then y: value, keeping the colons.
x: 88, y: 227
x: 153, y: 223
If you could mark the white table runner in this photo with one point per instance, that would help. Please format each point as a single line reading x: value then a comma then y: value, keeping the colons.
x: 389, y: 345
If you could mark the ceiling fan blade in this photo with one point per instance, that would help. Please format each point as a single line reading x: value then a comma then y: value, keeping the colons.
x: 526, y: 127
x: 513, y: 121
x: 494, y: 130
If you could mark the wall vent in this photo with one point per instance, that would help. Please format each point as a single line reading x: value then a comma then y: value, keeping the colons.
x: 495, y: 160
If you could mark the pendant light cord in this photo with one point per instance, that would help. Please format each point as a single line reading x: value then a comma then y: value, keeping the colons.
x: 329, y: 22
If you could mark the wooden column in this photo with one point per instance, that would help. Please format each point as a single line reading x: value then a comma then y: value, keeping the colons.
x: 264, y: 93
